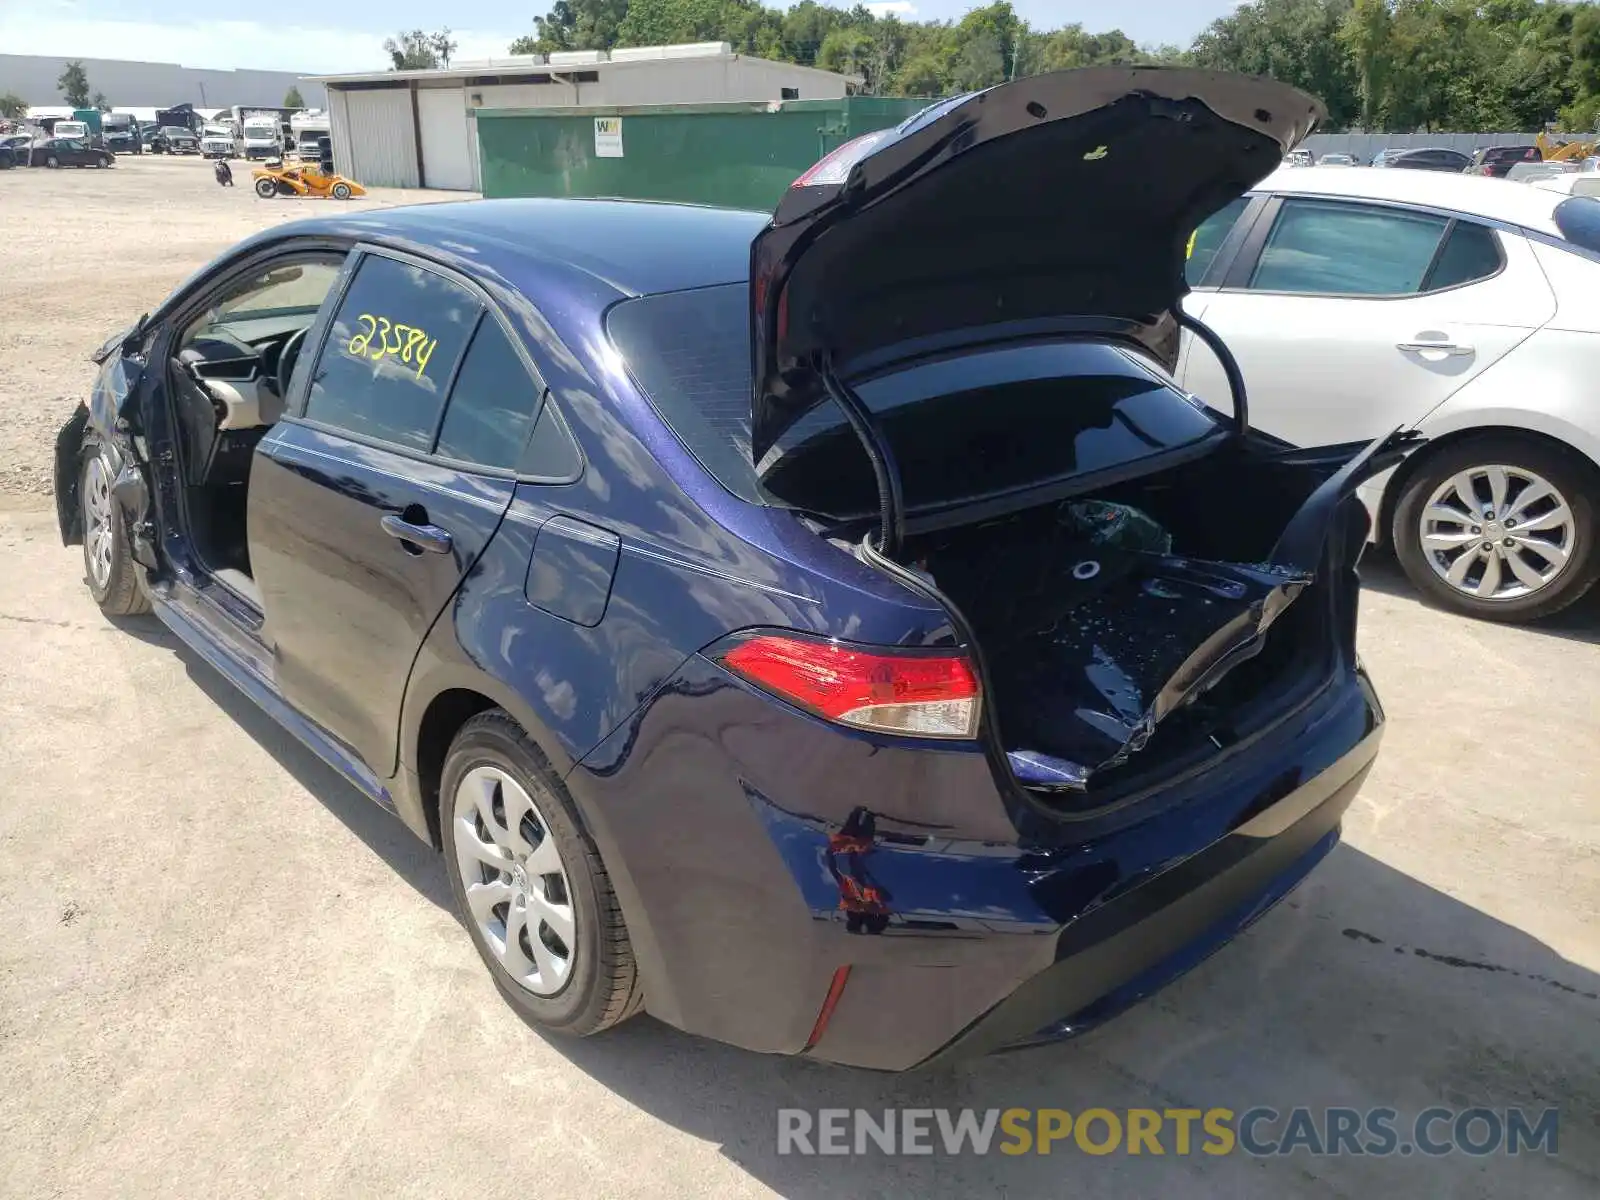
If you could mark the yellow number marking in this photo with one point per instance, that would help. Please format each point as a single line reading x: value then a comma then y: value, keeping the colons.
x: 424, y: 353
x: 358, y: 343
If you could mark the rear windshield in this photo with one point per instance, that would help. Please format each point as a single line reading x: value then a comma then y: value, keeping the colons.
x: 983, y: 422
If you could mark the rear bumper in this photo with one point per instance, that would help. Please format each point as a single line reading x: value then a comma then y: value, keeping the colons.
x: 743, y: 908
x: 1129, y: 948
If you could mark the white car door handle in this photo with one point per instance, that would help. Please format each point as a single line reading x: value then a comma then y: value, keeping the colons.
x: 1451, y: 348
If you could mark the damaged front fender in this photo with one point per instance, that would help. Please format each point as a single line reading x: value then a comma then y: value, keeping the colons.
x: 108, y: 418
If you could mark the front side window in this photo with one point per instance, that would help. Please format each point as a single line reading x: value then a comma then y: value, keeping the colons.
x: 1333, y: 249
x: 391, y: 353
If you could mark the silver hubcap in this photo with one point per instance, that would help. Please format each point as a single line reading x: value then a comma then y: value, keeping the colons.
x: 515, y: 881
x: 1497, y: 532
x: 97, y: 521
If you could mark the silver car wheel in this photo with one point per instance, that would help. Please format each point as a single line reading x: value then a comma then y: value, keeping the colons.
x: 1497, y: 532
x: 515, y: 882
x: 97, y: 527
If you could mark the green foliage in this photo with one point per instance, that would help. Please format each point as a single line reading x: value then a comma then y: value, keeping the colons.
x: 100, y: 103
x: 1376, y: 64
x: 291, y: 98
x: 13, y: 107
x: 412, y: 51
x: 74, y: 85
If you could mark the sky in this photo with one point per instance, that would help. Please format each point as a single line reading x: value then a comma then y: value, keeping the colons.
x: 315, y: 37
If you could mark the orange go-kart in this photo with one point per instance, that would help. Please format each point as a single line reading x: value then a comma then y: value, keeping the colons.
x: 278, y: 179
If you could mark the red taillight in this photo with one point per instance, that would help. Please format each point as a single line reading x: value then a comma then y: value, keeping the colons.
x: 895, y: 691
x: 834, y: 166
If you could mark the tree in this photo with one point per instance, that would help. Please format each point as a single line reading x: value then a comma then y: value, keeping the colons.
x: 442, y: 45
x: 13, y: 107
x: 291, y: 98
x: 574, y: 25
x: 74, y: 85
x: 412, y: 51
x: 100, y: 102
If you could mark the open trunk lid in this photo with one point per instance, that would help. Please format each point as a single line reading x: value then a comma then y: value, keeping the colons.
x: 1052, y: 201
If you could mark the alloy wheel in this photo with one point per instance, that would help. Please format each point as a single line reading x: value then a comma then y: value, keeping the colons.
x: 516, y: 885
x: 1497, y: 532
x: 97, y: 528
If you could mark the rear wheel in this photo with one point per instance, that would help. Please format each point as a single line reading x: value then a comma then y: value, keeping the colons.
x: 1500, y: 528
x: 341, y: 191
x: 266, y: 188
x: 52, y: 161
x: 529, y: 884
x: 109, y: 569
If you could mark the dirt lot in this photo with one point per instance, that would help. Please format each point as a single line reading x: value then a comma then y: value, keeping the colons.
x: 224, y: 972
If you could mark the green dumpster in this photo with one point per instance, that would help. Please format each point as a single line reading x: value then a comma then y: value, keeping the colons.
x: 730, y: 155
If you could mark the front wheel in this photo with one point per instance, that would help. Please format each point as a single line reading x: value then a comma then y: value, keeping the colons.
x: 529, y: 884
x: 52, y: 162
x: 266, y: 188
x: 341, y: 191
x: 109, y: 569
x: 1500, y: 528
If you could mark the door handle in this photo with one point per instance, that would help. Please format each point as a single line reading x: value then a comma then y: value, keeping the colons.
x: 1448, y: 348
x: 424, y: 537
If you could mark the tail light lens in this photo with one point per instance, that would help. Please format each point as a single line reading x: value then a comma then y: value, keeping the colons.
x: 833, y: 168
x: 912, y: 692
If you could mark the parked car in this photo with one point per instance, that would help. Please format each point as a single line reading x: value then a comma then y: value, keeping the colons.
x: 14, y: 149
x: 1452, y: 305
x: 1434, y: 158
x: 1497, y: 161
x: 685, y: 575
x: 1298, y: 158
x: 1336, y: 160
x: 1573, y: 183
x: 174, y: 139
x: 71, y: 152
x: 1530, y: 172
x: 1385, y: 158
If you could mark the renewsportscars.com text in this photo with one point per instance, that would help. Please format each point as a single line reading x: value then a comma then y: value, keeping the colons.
x: 1259, y: 1131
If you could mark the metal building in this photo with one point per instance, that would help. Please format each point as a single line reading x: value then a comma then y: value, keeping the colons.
x: 420, y: 129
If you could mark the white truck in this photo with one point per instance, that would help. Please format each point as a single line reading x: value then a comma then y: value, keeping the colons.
x: 217, y: 140
x: 260, y: 136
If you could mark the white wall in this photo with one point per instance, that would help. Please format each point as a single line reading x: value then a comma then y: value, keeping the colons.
x: 130, y: 84
x: 446, y: 144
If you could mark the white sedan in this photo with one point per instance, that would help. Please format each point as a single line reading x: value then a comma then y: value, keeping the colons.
x: 1463, y: 307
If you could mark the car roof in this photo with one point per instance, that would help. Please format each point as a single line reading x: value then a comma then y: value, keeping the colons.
x: 637, y: 247
x: 1472, y: 195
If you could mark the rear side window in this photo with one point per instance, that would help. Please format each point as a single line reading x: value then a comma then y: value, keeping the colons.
x: 985, y: 421
x: 492, y: 404
x: 1347, y: 250
x: 387, y: 364
x: 1471, y: 252
x: 1208, y: 239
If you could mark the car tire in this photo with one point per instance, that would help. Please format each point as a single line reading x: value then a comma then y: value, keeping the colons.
x: 52, y: 161
x: 108, y: 567
x: 266, y: 188
x: 341, y: 191
x: 1560, y: 516
x: 490, y: 760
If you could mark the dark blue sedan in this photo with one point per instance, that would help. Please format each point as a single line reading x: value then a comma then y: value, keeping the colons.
x: 831, y: 631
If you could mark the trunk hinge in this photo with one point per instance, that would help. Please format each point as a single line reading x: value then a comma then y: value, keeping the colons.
x: 1230, y: 366
x: 891, y: 499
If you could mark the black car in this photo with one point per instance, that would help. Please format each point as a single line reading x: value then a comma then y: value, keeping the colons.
x: 173, y: 139
x: 1430, y: 159
x: 70, y: 152
x: 1498, y: 160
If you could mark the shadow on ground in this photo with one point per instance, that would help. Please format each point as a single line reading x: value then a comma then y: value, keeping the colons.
x: 1380, y: 572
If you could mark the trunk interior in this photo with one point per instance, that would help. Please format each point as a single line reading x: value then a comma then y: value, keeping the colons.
x: 1131, y: 632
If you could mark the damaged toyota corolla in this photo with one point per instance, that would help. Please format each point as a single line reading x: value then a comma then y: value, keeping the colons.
x: 830, y: 631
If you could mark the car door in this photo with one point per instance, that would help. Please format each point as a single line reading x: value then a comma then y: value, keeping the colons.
x: 1349, y: 318
x: 364, y: 512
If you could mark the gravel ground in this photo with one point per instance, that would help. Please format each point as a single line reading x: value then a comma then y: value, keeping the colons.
x: 223, y: 972
x: 85, y: 251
